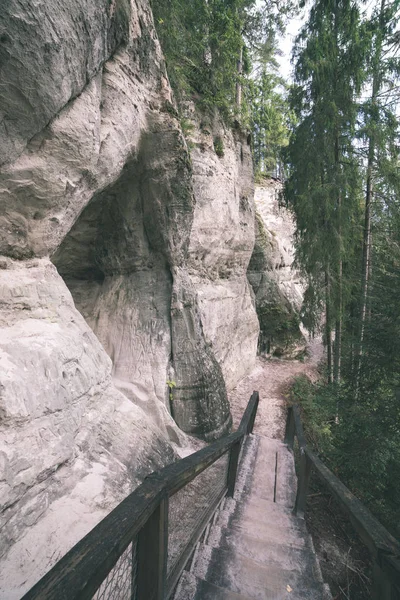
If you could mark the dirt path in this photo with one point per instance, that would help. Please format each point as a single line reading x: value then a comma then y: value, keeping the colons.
x: 271, y: 377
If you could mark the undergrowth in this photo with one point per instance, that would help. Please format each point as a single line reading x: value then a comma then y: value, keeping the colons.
x: 350, y: 439
x: 318, y: 412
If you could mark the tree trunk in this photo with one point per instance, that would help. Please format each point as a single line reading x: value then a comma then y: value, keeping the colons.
x: 365, y: 259
x: 328, y: 330
x: 367, y: 245
x: 339, y: 308
x: 238, y: 82
x: 339, y: 284
x: 338, y: 329
x: 339, y: 298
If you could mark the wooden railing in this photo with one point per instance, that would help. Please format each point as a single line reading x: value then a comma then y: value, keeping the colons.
x: 136, y: 532
x: 383, y: 547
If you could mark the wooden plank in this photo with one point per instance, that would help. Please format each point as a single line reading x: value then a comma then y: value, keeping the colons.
x: 299, y: 427
x: 290, y: 428
x: 304, y: 481
x: 263, y: 477
x: 249, y: 415
x: 256, y: 401
x: 152, y: 552
x: 381, y: 586
x: 286, y: 479
x: 384, y: 548
x: 82, y: 570
x: 176, y: 476
x: 391, y: 566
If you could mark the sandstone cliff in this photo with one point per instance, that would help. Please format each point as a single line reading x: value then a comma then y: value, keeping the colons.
x: 123, y: 266
x: 276, y: 284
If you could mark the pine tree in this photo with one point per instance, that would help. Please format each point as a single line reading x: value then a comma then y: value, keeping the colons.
x: 322, y: 187
x: 379, y: 131
x: 270, y: 114
x: 207, y: 45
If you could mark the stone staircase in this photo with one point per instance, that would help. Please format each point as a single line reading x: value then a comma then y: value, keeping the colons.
x: 255, y: 548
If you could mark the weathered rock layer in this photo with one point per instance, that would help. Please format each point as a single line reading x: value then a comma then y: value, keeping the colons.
x: 124, y: 259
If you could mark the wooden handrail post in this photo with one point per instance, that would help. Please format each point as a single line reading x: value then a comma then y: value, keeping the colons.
x: 253, y: 416
x: 303, y: 483
x: 381, y: 586
x: 290, y: 428
x: 152, y: 553
x: 391, y: 569
x: 233, y: 467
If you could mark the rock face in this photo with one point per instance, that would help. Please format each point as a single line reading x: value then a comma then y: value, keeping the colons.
x: 277, y: 287
x: 71, y: 445
x: 221, y: 243
x: 123, y: 266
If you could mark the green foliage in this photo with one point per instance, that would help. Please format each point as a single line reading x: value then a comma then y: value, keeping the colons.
x: 319, y: 407
x: 270, y: 115
x: 186, y: 126
x: 171, y: 385
x: 323, y: 186
x: 187, y: 130
x: 201, y: 42
x: 219, y: 146
x: 279, y: 322
x: 346, y: 139
x: 208, y: 46
x: 362, y: 447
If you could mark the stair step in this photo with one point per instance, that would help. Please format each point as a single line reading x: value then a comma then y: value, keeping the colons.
x: 262, y: 511
x: 193, y: 588
x: 242, y: 575
x: 255, y: 548
x: 286, y: 482
x: 274, y: 476
x: 269, y: 533
x: 246, y: 466
x: 283, y: 556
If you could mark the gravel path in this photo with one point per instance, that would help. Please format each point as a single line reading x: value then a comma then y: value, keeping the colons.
x: 272, y: 377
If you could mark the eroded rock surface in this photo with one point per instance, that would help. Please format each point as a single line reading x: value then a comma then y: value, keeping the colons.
x: 277, y: 286
x: 222, y: 241
x: 123, y: 267
x: 49, y: 52
x: 68, y: 438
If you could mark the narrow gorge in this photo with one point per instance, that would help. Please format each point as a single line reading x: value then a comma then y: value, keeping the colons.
x: 134, y: 272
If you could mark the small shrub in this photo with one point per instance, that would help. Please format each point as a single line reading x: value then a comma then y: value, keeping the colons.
x: 318, y: 405
x: 219, y: 146
x: 186, y: 126
x: 171, y: 385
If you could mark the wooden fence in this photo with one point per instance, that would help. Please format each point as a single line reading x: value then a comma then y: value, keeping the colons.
x: 127, y: 554
x: 383, y: 547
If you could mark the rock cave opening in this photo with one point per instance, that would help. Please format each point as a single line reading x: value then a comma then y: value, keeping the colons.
x: 122, y: 287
